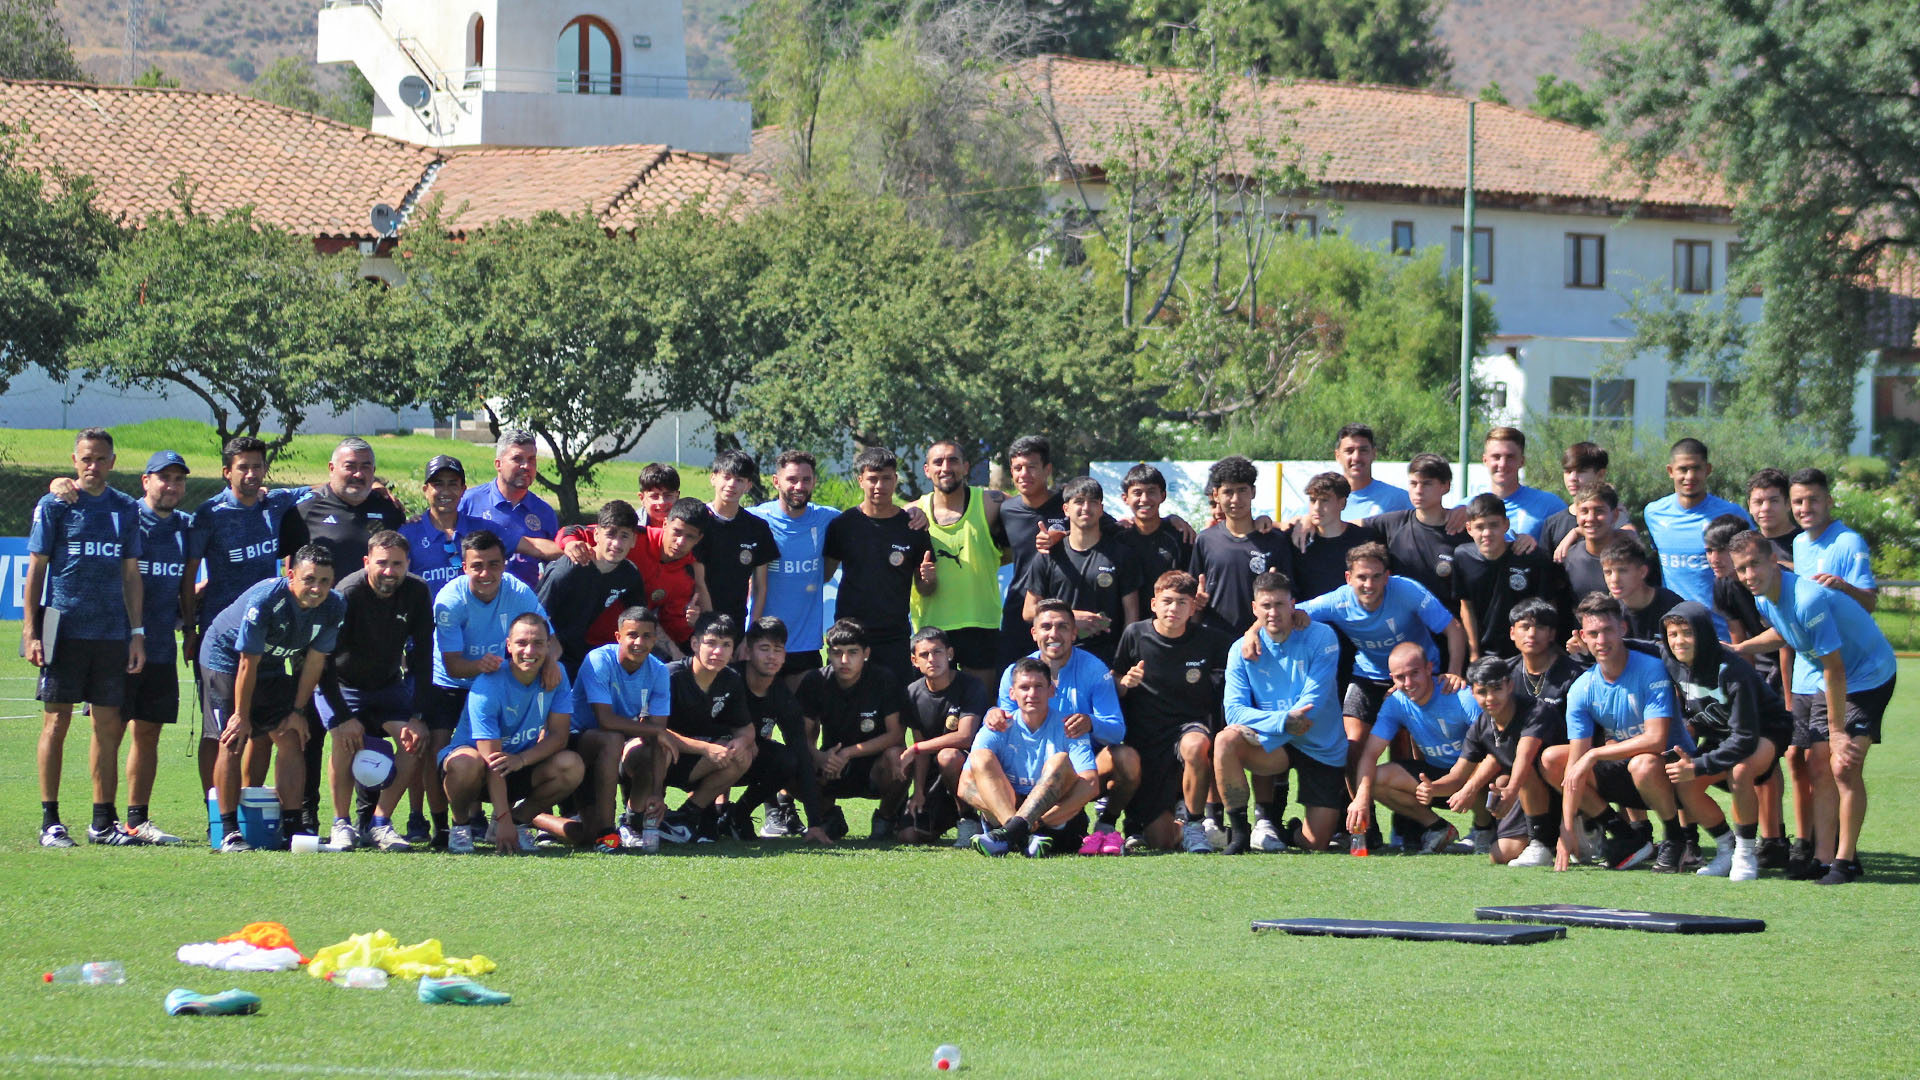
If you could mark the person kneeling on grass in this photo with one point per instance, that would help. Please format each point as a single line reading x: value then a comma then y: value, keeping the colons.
x: 853, y: 730
x: 709, y: 742
x: 1739, y: 721
x: 1437, y: 719
x: 510, y: 749
x: 1170, y: 672
x: 1484, y: 779
x: 1030, y: 780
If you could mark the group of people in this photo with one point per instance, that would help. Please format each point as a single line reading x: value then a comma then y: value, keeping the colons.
x: 1557, y: 676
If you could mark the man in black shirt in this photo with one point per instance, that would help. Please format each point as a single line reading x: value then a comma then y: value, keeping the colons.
x: 1580, y: 464
x: 374, y: 686
x: 734, y: 552
x: 1033, y: 508
x: 1596, y: 512
x: 1483, y: 775
x: 1229, y: 555
x: 853, y: 710
x: 1629, y: 574
x: 782, y: 764
x: 1157, y: 545
x: 883, y: 558
x: 709, y: 742
x: 1490, y: 576
x: 1421, y: 542
x: 1170, y: 675
x: 1320, y: 564
x: 347, y: 509
x: 944, y: 709
x: 1096, y: 576
x: 583, y: 600
x: 1542, y: 676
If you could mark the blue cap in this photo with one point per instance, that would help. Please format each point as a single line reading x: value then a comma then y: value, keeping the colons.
x: 165, y: 458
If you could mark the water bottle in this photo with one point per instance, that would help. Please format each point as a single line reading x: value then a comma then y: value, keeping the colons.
x: 650, y: 834
x: 1358, y: 845
x: 93, y: 973
x: 360, y: 978
x: 947, y: 1057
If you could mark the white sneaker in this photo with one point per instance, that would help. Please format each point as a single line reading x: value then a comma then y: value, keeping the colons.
x: 1746, y: 860
x: 1193, y: 839
x: 1537, y: 854
x: 148, y: 833
x: 345, y: 837
x: 1265, y: 837
x: 388, y: 838
x: 968, y: 828
x: 1482, y: 840
x: 460, y: 840
x: 1216, y: 836
x: 1722, y: 862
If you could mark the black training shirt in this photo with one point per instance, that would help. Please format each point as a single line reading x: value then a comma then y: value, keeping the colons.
x: 879, y: 559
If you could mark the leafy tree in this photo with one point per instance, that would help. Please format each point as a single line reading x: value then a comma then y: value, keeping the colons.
x: 155, y: 78
x: 1564, y: 99
x: 290, y: 81
x: 788, y: 51
x: 33, y: 44
x: 244, y: 316
x: 1492, y: 92
x: 1378, y: 41
x: 1807, y: 114
x: 546, y: 324
x: 51, y: 239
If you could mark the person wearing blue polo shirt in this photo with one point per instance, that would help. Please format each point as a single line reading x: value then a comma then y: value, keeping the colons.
x: 1677, y: 524
x: 240, y: 535
x: 510, y: 748
x: 1030, y: 776
x: 1528, y: 508
x: 1845, y: 668
x: 152, y: 698
x: 623, y: 695
x: 1353, y: 448
x: 794, y: 580
x: 1437, y: 721
x: 1282, y: 712
x: 1826, y: 550
x: 435, y: 535
x: 510, y: 504
x: 1628, y: 696
x: 1085, y: 696
x: 83, y: 629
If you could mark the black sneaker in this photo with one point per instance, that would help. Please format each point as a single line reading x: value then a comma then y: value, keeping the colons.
x: 1239, y: 840
x: 708, y: 830
x: 309, y: 822
x: 782, y: 821
x: 1842, y: 872
x: 737, y: 826
x: 439, y: 841
x: 881, y: 827
x: 836, y: 824
x: 1799, y: 860
x: 1627, y: 849
x: 1690, y: 855
x: 112, y: 836
x: 1774, y: 853
x: 1672, y: 855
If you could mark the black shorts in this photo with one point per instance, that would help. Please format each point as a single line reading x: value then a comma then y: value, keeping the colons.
x: 519, y: 783
x: 444, y: 706
x: 375, y: 709
x: 680, y: 773
x: 854, y: 782
x: 799, y: 663
x: 1420, y: 767
x: 895, y: 656
x: 1865, y: 708
x: 1613, y: 782
x: 1319, y: 786
x: 975, y: 647
x: 91, y: 671
x: 153, y: 696
x: 1363, y: 698
x: 272, y: 701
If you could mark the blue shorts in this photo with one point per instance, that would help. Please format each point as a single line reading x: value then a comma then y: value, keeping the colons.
x: 373, y: 708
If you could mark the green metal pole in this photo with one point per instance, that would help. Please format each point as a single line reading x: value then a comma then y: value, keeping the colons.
x: 1466, y: 313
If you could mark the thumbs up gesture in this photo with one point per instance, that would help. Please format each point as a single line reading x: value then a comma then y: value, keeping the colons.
x: 929, y: 573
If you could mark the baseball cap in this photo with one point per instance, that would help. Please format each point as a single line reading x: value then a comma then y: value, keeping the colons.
x: 445, y: 461
x: 165, y: 458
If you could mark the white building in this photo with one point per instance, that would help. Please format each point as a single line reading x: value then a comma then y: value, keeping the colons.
x: 1562, y: 240
x: 451, y: 73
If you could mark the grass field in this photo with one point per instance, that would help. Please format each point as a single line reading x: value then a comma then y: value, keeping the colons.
x: 740, y: 962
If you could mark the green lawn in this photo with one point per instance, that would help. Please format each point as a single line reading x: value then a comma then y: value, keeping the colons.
x: 740, y: 962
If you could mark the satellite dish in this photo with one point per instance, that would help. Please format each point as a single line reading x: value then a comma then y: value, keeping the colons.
x: 386, y: 220
x: 414, y: 92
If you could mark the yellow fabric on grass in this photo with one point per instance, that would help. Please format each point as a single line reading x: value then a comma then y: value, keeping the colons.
x: 380, y: 949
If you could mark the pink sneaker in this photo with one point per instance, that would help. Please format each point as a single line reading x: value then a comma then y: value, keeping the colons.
x: 1095, y: 843
x: 1113, y: 843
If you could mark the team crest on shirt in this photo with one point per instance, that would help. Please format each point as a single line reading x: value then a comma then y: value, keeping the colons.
x: 719, y: 704
x: 1193, y: 674
x: 746, y: 556
x: 1443, y: 567
x: 1103, y: 579
x: 953, y: 719
x: 1516, y: 579
x: 867, y: 723
x: 533, y: 522
x: 1257, y: 562
x: 896, y: 557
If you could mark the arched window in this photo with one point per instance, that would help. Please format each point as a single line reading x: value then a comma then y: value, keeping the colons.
x: 588, y: 57
x: 476, y: 51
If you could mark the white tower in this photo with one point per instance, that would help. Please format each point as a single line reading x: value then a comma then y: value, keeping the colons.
x: 531, y: 73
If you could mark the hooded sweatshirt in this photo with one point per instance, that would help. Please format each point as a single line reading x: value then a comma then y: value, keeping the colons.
x: 1724, y: 699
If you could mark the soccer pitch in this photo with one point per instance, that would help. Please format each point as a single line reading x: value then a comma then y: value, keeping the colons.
x: 767, y: 960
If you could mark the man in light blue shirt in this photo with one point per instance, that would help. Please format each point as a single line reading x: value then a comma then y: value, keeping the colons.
x: 1528, y: 508
x: 1437, y: 721
x: 1826, y: 550
x: 1281, y: 713
x: 794, y: 580
x: 1029, y: 773
x: 1677, y: 524
x: 623, y: 695
x: 1843, y: 678
x: 1353, y: 448
x: 1085, y: 696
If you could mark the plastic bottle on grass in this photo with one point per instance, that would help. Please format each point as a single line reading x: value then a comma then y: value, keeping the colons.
x: 1358, y: 845
x: 93, y: 973
x: 947, y: 1057
x: 360, y: 978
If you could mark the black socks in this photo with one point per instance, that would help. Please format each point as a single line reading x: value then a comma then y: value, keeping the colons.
x: 49, y: 813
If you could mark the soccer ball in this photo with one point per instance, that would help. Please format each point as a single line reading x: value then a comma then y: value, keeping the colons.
x: 373, y: 768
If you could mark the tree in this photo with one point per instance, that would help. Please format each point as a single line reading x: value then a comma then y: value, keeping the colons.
x: 787, y: 50
x: 155, y: 78
x: 51, y: 239
x: 1566, y: 100
x: 246, y: 317
x: 1378, y: 41
x: 1493, y: 93
x: 1806, y: 114
x: 33, y: 44
x: 546, y: 324
x: 291, y: 82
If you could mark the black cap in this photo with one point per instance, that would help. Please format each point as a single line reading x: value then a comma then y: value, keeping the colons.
x: 443, y: 462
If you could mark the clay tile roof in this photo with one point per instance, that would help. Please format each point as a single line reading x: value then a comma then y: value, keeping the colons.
x: 1377, y: 136
x: 306, y: 174
x: 616, y: 183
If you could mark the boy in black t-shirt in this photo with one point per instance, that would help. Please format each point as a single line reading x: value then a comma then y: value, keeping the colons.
x: 1490, y: 577
x: 1630, y: 580
x: 584, y: 599
x: 1229, y: 555
x: 778, y: 764
x: 1320, y: 565
x: 945, y: 706
x: 709, y: 728
x: 1419, y: 543
x: 884, y: 558
x: 1158, y: 547
x: 1169, y: 671
x: 853, y: 710
x: 732, y: 556
x: 1096, y: 576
